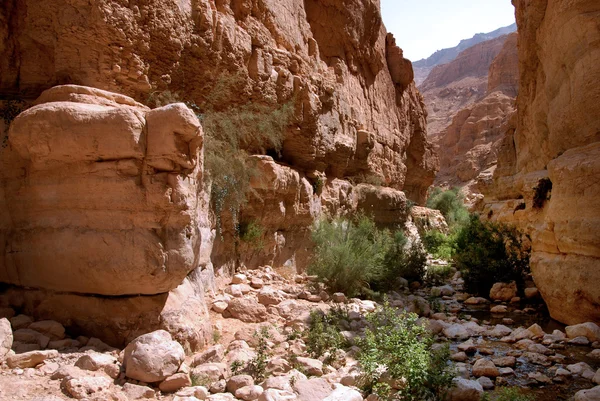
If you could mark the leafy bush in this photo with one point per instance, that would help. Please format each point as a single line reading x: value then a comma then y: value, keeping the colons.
x: 396, y: 354
x: 438, y: 275
x: 402, y: 260
x: 252, y: 234
x: 323, y: 333
x: 257, y: 366
x: 440, y: 245
x: 541, y: 191
x: 450, y: 204
x: 349, y: 254
x: 355, y: 257
x: 488, y: 252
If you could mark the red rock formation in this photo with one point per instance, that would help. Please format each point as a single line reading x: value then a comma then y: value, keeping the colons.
x: 503, y: 74
x: 357, y: 113
x: 461, y: 83
x: 557, y: 136
x: 112, y: 206
x: 469, y: 146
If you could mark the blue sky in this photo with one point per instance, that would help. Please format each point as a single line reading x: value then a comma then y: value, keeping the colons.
x: 423, y: 26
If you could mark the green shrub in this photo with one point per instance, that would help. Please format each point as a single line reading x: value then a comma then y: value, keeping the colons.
x: 438, y: 275
x: 349, y: 255
x: 252, y: 234
x: 402, y: 260
x: 355, y: 257
x: 257, y: 366
x: 450, y: 204
x: 396, y: 352
x: 323, y: 332
x: 488, y: 252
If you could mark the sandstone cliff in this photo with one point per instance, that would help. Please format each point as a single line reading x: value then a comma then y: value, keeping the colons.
x: 105, y: 217
x: 468, y: 147
x: 459, y: 84
x: 557, y: 137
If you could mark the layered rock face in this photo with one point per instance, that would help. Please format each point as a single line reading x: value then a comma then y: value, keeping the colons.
x: 459, y: 84
x: 354, y: 116
x: 557, y: 137
x: 102, y: 196
x: 124, y: 212
x: 468, y: 147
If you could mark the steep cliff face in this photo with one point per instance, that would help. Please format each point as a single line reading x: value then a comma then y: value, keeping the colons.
x: 142, y: 223
x: 331, y: 58
x: 459, y: 84
x: 468, y: 147
x: 557, y: 137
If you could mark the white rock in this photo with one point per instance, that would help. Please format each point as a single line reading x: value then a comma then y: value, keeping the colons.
x: 277, y: 395
x: 343, y: 393
x: 249, y: 393
x: 465, y: 390
x: 153, y: 357
x: 6, y: 338
x: 96, y: 361
x: 84, y: 387
x: 30, y: 359
x: 592, y: 394
x: 589, y: 330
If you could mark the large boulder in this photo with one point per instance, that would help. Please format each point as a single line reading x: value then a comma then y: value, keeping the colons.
x: 465, y: 390
x: 503, y: 291
x: 592, y: 394
x: 137, y: 225
x: 153, y: 357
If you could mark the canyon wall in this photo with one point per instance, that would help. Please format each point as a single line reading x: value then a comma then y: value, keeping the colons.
x: 556, y: 139
x: 468, y: 147
x: 458, y: 84
x: 105, y: 218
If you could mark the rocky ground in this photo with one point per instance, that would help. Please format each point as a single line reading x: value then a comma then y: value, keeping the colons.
x: 42, y: 363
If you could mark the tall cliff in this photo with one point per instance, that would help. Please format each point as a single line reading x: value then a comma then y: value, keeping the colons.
x: 549, y: 164
x: 459, y: 84
x: 83, y: 178
x: 468, y: 147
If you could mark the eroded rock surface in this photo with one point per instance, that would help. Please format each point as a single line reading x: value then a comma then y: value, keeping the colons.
x: 556, y: 137
x: 113, y: 205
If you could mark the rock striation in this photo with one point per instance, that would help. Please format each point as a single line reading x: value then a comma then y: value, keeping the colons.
x: 102, y: 197
x: 105, y: 201
x: 546, y: 180
x: 468, y: 146
x: 463, y: 82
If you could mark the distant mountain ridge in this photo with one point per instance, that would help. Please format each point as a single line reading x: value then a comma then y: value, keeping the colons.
x: 446, y: 55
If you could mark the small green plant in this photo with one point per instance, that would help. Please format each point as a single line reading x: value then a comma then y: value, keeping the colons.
x: 488, y: 252
x: 323, y: 332
x: 252, y: 234
x: 216, y: 336
x: 438, y: 275
x: 541, y: 193
x: 257, y: 366
x: 397, y: 359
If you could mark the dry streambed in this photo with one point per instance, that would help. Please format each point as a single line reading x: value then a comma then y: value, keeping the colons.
x: 514, y: 346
